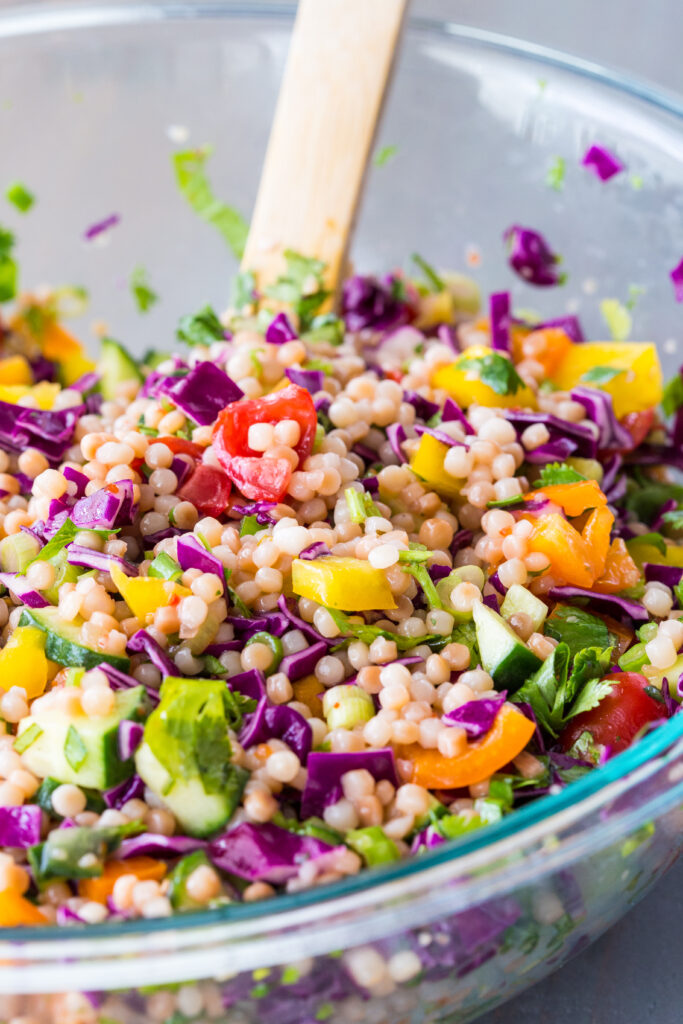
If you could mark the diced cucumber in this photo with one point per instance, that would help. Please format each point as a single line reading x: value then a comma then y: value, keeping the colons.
x: 101, y: 765
x: 63, y: 644
x: 64, y: 573
x: 75, y: 852
x: 503, y: 655
x: 17, y: 550
x: 198, y: 812
x: 94, y: 801
x: 177, y: 881
x: 373, y: 845
x: 520, y: 600
x: 117, y: 367
x: 205, y: 635
x: 656, y: 677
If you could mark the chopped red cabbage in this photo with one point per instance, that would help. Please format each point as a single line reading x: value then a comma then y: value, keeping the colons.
x: 670, y: 575
x: 44, y: 369
x: 446, y: 334
x: 80, y: 480
x: 265, y: 852
x: 86, y: 383
x: 130, y: 789
x: 19, y: 585
x: 260, y: 509
x: 100, y: 226
x: 424, y: 408
x: 20, y: 826
x: 204, y: 392
x: 129, y: 738
x: 153, y: 844
x: 280, y: 330
x: 323, y: 785
x: 439, y: 435
x: 181, y: 467
x: 296, y: 622
x: 461, y: 539
x: 193, y: 555
x: 601, y: 162
x: 452, y: 411
x: 586, y: 441
x: 102, y: 509
x: 531, y: 257
x: 302, y: 663
x: 600, y: 410
x: 312, y: 380
x: 620, y: 607
x: 552, y: 451
x: 499, y: 314
x: 368, y: 302
x: 569, y: 324
x: 676, y: 276
x: 78, y: 554
x: 317, y: 550
x: 476, y: 717
x: 48, y: 431
x: 427, y: 839
x: 396, y: 435
x: 251, y: 683
x: 277, y: 722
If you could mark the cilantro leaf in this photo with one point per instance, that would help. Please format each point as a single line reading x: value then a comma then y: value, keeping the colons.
x: 589, y: 664
x: 64, y: 535
x: 384, y: 155
x: 672, y: 397
x: 202, y: 328
x: 19, y: 196
x: 8, y: 267
x: 362, y: 631
x: 577, y: 629
x: 301, y: 286
x: 558, y: 473
x: 243, y: 290
x: 601, y: 374
x: 590, y: 696
x: 326, y: 327
x: 145, y: 297
x: 495, y: 371
x: 556, y: 172
x: 674, y: 518
x: 435, y: 283
x: 189, y: 166
x: 644, y: 502
x: 555, y: 696
x: 617, y: 317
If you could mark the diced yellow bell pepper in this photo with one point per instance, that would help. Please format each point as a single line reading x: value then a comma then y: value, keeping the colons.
x: 351, y: 584
x: 23, y: 662
x: 16, y: 910
x: 74, y: 367
x: 638, y: 387
x: 465, y: 387
x: 427, y: 462
x: 15, y: 370
x: 13, y: 392
x: 435, y: 308
x: 45, y: 393
x: 57, y: 343
x: 144, y: 594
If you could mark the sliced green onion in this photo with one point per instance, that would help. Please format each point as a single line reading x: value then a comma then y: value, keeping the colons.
x: 420, y: 573
x: 275, y: 646
x: 165, y: 568
x: 347, y: 706
x: 27, y: 737
x: 75, y: 750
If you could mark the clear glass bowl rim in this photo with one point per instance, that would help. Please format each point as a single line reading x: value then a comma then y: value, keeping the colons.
x: 546, y: 816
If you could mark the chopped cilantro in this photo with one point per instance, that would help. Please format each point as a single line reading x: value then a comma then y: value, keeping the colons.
x: 674, y: 518
x: 249, y: 525
x: 435, y: 282
x: 577, y: 629
x: 75, y: 750
x: 601, y: 374
x: 18, y: 195
x: 214, y: 666
x: 326, y: 327
x: 556, y: 172
x: 243, y: 290
x: 64, y: 535
x: 8, y: 267
x: 637, y: 182
x: 617, y: 317
x: 558, y: 473
x: 301, y: 287
x: 672, y: 398
x: 556, y: 696
x: 384, y: 155
x: 634, y: 293
x: 319, y: 364
x: 495, y: 371
x: 145, y: 297
x: 362, y: 631
x: 192, y: 181
x: 201, y: 329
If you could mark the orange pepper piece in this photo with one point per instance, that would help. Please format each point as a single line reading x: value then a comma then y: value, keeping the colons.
x: 555, y: 537
x: 16, y: 910
x: 306, y: 691
x: 547, y: 346
x: 144, y: 868
x: 573, y: 498
x: 508, y: 736
x: 596, y: 536
x: 620, y: 570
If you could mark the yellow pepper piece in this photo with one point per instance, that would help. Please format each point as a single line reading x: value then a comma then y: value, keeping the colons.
x: 641, y: 553
x: 23, y: 662
x: 45, y: 393
x: 74, y: 367
x: 465, y: 387
x: 15, y: 370
x: 144, y: 594
x: 13, y: 392
x: 351, y: 584
x: 427, y: 463
x: 435, y: 308
x: 638, y: 387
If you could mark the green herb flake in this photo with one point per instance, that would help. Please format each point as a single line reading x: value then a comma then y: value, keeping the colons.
x: 672, y: 397
x: 19, y: 196
x: 214, y: 667
x: 301, y: 287
x: 634, y: 293
x: 435, y: 283
x: 9, y: 272
x: 141, y: 291
x: 384, y: 154
x: 494, y: 370
x: 75, y: 750
x: 249, y: 526
x: 165, y: 568
x: 202, y: 328
x: 556, y: 173
x: 558, y: 473
x: 637, y: 182
x: 243, y: 290
x: 28, y: 736
x: 618, y: 319
x: 326, y: 328
x: 674, y: 519
x: 577, y: 629
x: 601, y: 375
x: 190, y: 174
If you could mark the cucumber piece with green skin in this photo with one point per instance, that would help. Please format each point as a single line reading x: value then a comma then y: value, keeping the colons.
x: 177, y: 881
x: 199, y: 813
x: 101, y: 766
x: 373, y: 845
x: 76, y: 852
x: 17, y: 550
x: 63, y: 644
x: 519, y: 600
x: 117, y: 366
x: 93, y: 799
x: 64, y: 573
x: 503, y: 655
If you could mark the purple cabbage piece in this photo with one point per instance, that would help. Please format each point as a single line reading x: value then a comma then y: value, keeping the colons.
x: 452, y: 411
x: 215, y: 650
x: 552, y: 451
x: 265, y: 853
x: 181, y: 467
x: 323, y: 786
x: 317, y: 550
x: 302, y: 663
x: 152, y: 539
x: 439, y: 572
x: 20, y: 826
x: 439, y: 435
x: 86, y: 383
x: 491, y: 601
x: 670, y: 575
x: 49, y: 432
x: 129, y: 738
x: 586, y: 441
x: 371, y: 484
x: 260, y: 509
x: 204, y: 392
x: 142, y: 643
x: 100, y: 226
x: 620, y: 607
x: 531, y: 257
x: 424, y: 408
x: 476, y: 717
x: 427, y: 840
x: 494, y: 580
x: 669, y: 506
x: 153, y: 844
x: 461, y: 539
x: 99, y: 510
x: 130, y: 789
x: 74, y: 476
x: 277, y: 722
x: 672, y: 706
x: 396, y: 435
x: 569, y: 324
x: 676, y: 276
x: 447, y: 336
x: 193, y: 555
x: 599, y: 408
x: 44, y: 369
x: 611, y: 468
x: 280, y: 331
x: 311, y: 380
x: 369, y: 303
x: 122, y: 681
x: 601, y: 162
x: 19, y: 586
x: 66, y: 916
x: 296, y: 622
x: 34, y: 532
x: 77, y: 554
x: 364, y: 452
x: 499, y: 314
x: 251, y: 683
x: 25, y: 482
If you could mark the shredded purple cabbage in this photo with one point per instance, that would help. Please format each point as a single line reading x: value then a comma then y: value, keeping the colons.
x: 100, y: 226
x: 20, y: 826
x: 499, y: 314
x: 323, y: 785
x: 265, y: 852
x: 531, y: 257
x: 277, y: 722
x: 476, y: 717
x: 676, y: 276
x: 620, y: 607
x: 311, y: 380
x: 370, y: 303
x: 601, y: 162
x: 203, y: 393
x: 280, y: 330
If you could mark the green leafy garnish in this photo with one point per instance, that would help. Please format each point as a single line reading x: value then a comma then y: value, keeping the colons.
x: 75, y: 750
x: 514, y: 499
x: 327, y: 327
x: 556, y: 172
x: 495, y: 371
x: 192, y: 181
x: 617, y: 317
x: 384, y: 155
x: 20, y: 197
x: 203, y: 328
x: 165, y: 568
x: 362, y: 631
x: 672, y: 396
x: 301, y: 287
x: 577, y: 629
x: 653, y: 539
x: 360, y: 505
x: 214, y: 666
x: 64, y: 535
x: 249, y: 525
x: 243, y: 290
x: 674, y: 519
x: 555, y: 697
x: 420, y: 573
x: 27, y: 737
x: 8, y: 267
x: 558, y: 473
x: 435, y: 283
x: 145, y: 297
x: 601, y: 374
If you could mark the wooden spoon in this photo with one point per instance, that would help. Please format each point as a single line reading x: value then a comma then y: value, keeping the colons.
x: 339, y: 62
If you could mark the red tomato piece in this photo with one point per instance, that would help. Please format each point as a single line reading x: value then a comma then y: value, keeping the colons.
x: 181, y: 446
x: 208, y: 489
x: 619, y: 716
x: 231, y: 431
x: 639, y: 425
x: 260, y: 479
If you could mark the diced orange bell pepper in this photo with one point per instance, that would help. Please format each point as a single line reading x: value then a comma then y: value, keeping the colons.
x: 620, y: 570
x: 144, y: 868
x: 573, y: 498
x: 547, y: 346
x: 555, y: 537
x: 306, y: 691
x: 508, y: 736
x: 15, y: 910
x: 15, y: 370
x: 596, y: 537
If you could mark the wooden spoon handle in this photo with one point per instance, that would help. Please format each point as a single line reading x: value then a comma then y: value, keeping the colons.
x: 337, y: 69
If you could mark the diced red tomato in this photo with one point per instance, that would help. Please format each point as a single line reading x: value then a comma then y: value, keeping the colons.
x: 231, y: 431
x: 619, y: 716
x: 181, y: 446
x: 208, y: 489
x: 639, y: 425
x: 261, y: 479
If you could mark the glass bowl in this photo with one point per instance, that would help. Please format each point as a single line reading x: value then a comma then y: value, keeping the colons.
x: 93, y: 101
